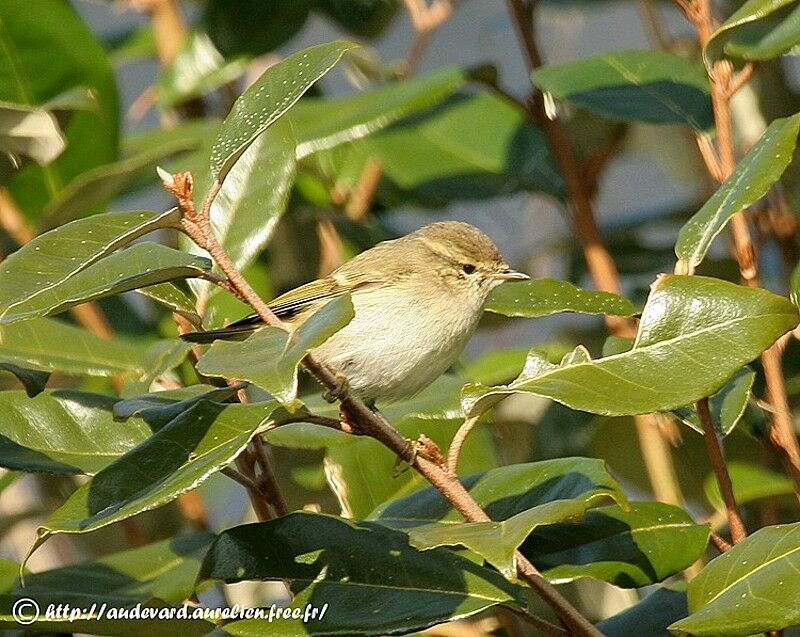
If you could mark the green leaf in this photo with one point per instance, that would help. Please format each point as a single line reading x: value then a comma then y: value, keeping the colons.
x: 543, y: 297
x: 759, y: 169
x: 322, y: 123
x: 632, y: 548
x: 497, y: 366
x: 497, y: 542
x: 349, y: 458
x: 177, y: 458
x: 102, y: 183
x: 50, y: 260
x: 750, y: 12
x: 750, y: 483
x: 31, y: 132
x: 252, y: 201
x: 637, y: 86
x: 651, y: 616
x: 50, y: 345
x: 687, y: 322
x: 751, y: 588
x: 367, y: 18
x: 197, y: 69
x: 8, y: 574
x: 33, y: 380
x: 795, y: 285
x: 140, y: 265
x: 268, y: 98
x: 727, y: 406
x: 506, y: 491
x: 371, y: 579
x: 159, y: 408
x: 469, y: 147
x: 46, y: 50
x: 164, y: 570
x: 161, y: 619
x: 253, y: 28
x: 269, y: 358
x: 63, y: 432
x: 176, y: 298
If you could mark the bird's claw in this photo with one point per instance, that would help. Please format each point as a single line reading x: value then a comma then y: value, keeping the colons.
x: 337, y: 393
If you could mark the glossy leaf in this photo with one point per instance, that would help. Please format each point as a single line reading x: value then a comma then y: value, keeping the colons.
x: 695, y: 333
x: 177, y: 458
x: 727, y: 406
x: 270, y: 357
x: 175, y: 298
x: 506, y: 491
x: 497, y: 542
x: 638, y: 86
x: 268, y: 98
x: 750, y: 12
x: 52, y: 259
x: 157, y: 624
x: 164, y: 570
x: 197, y: 69
x: 254, y: 197
x: 628, y: 548
x: 468, y: 147
x: 63, y: 432
x: 31, y: 132
x: 50, y: 345
x: 98, y: 185
x: 161, y: 407
x: 759, y: 169
x: 778, y: 40
x: 750, y: 483
x: 33, y: 380
x: 324, y: 123
x: 371, y: 579
x: 651, y: 616
x: 542, y: 297
x: 140, y: 265
x: 35, y: 69
x: 752, y: 588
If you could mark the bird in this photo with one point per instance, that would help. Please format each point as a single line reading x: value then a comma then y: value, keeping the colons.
x: 417, y: 301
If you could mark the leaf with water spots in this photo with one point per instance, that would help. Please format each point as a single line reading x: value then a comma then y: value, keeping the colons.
x: 274, y: 93
x: 752, y: 588
x: 52, y: 259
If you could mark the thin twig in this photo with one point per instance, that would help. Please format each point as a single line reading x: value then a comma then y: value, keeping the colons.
x: 242, y: 479
x: 599, y: 261
x: 369, y: 422
x: 458, y: 441
x: 719, y: 542
x: 714, y: 450
x: 723, y: 85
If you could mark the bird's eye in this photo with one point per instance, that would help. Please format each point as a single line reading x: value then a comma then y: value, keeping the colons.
x: 468, y: 268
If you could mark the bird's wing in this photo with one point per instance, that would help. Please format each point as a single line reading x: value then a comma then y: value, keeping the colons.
x: 290, y: 304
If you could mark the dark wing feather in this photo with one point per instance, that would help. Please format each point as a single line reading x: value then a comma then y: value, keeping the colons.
x: 285, y: 307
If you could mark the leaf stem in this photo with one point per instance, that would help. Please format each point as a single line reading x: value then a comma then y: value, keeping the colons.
x: 458, y: 441
x: 368, y: 421
x: 715, y: 454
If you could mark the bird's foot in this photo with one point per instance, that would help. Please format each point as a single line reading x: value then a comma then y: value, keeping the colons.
x: 348, y: 423
x: 337, y: 393
x: 421, y: 447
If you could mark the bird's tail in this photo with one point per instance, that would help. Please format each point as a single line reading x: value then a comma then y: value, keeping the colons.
x: 237, y: 331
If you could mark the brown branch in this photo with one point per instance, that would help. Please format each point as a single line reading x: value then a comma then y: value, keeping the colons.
x: 723, y: 85
x: 719, y: 542
x: 715, y: 455
x: 598, y: 259
x: 368, y: 421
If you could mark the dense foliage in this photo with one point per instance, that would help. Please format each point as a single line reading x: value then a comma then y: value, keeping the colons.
x: 129, y: 443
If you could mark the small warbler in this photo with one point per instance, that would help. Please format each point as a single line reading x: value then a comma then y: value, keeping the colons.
x: 417, y: 301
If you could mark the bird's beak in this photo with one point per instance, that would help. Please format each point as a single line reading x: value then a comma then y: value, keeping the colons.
x: 507, y: 274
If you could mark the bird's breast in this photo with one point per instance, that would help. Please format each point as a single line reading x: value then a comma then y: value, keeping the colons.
x: 398, y: 343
